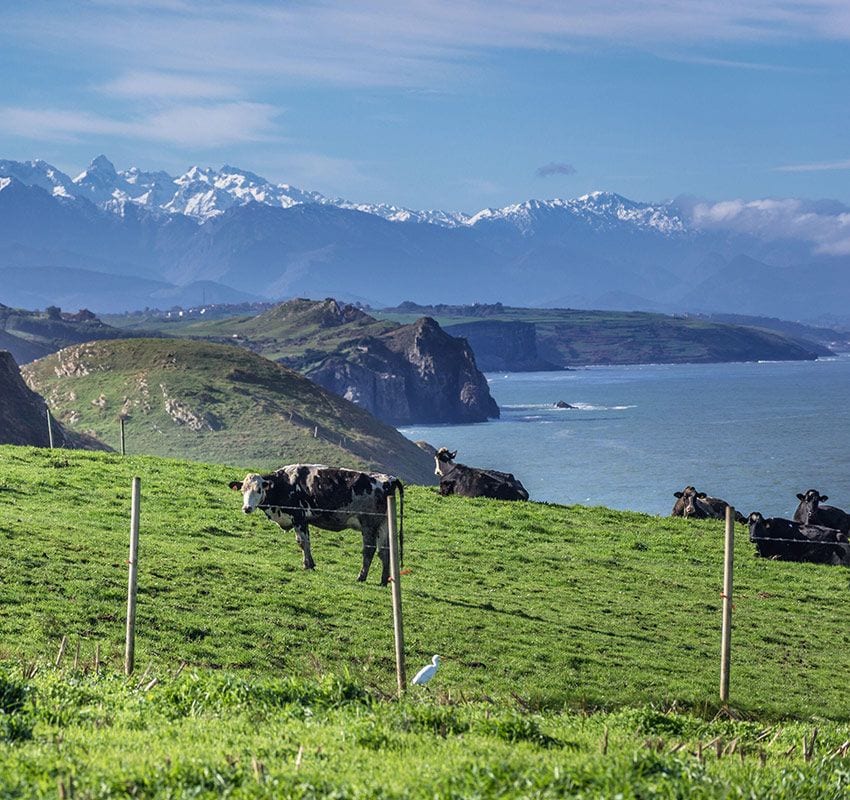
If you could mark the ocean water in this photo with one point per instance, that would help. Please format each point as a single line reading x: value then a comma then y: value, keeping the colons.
x: 754, y: 434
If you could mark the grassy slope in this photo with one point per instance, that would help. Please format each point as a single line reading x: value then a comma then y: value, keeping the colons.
x: 598, y: 609
x: 262, y: 414
x: 563, y: 605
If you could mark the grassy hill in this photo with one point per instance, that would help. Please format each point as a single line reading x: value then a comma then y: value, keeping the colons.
x: 580, y: 650
x: 215, y: 403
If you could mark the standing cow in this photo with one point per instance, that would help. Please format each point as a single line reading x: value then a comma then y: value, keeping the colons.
x: 698, y: 505
x: 788, y: 540
x: 811, y: 512
x: 474, y: 482
x: 329, y: 498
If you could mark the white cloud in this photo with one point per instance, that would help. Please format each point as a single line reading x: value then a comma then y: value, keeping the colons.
x: 148, y: 83
x: 823, y: 166
x: 189, y: 126
x: 827, y: 230
x: 419, y: 43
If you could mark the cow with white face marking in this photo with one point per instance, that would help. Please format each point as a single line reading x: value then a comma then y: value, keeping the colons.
x: 698, y: 505
x: 811, y: 511
x: 330, y: 498
x: 474, y: 482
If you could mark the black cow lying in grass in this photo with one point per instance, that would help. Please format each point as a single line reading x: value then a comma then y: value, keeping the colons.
x: 811, y: 512
x: 787, y: 540
x: 329, y: 498
x: 698, y: 505
x: 474, y: 482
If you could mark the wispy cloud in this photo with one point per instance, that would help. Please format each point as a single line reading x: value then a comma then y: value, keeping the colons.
x: 827, y: 230
x: 555, y: 168
x: 148, y: 83
x: 822, y: 166
x: 188, y: 126
x: 414, y: 44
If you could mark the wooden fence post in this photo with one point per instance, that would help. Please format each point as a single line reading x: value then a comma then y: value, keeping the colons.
x: 130, y: 642
x: 726, y: 630
x: 49, y: 430
x: 123, y: 449
x: 395, y: 580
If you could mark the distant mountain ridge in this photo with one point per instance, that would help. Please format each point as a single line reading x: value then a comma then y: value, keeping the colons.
x: 245, y: 238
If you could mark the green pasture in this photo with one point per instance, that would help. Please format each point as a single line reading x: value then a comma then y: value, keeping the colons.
x: 555, y: 624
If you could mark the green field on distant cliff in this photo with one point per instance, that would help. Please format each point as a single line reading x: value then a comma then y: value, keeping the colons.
x: 580, y: 650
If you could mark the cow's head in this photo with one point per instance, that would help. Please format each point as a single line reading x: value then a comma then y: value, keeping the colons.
x: 755, y: 520
x: 689, y: 497
x: 809, y: 503
x: 442, y: 459
x: 253, y: 488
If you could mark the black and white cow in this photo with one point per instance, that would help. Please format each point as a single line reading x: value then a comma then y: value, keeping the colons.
x: 788, y: 540
x: 474, y: 482
x: 698, y: 505
x: 330, y: 498
x: 811, y: 512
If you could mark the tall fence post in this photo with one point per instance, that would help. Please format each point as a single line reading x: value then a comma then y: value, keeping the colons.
x: 726, y: 631
x: 123, y: 449
x: 395, y: 580
x: 49, y: 429
x: 130, y: 642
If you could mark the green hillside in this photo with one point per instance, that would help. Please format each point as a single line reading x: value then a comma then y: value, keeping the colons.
x: 580, y: 651
x: 215, y: 403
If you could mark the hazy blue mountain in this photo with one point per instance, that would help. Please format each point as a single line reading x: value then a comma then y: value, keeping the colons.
x: 257, y: 239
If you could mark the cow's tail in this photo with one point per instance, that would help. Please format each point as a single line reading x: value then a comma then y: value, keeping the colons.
x: 397, y: 484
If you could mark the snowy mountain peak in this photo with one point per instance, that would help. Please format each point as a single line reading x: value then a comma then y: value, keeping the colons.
x: 204, y: 192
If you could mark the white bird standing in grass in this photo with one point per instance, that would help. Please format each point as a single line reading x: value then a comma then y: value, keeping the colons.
x: 426, y: 673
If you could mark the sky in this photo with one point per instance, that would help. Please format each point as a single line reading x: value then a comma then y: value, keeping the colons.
x: 450, y: 104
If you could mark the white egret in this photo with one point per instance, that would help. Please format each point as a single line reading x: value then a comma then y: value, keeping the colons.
x: 426, y: 673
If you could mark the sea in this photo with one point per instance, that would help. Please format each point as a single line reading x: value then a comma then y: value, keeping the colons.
x: 754, y: 434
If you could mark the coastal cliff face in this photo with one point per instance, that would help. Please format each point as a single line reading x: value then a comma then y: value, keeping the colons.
x: 23, y: 414
x: 503, y: 346
x: 413, y: 373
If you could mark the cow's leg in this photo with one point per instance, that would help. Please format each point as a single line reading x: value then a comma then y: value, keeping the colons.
x: 302, y: 536
x: 369, y: 544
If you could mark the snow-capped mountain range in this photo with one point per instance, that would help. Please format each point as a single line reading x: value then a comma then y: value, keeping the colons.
x: 205, y: 193
x: 111, y: 240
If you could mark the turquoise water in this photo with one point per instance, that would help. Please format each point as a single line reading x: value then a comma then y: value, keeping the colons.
x: 753, y: 434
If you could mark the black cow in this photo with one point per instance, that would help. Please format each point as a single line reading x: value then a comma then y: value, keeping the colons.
x: 472, y: 482
x: 691, y: 503
x: 329, y: 498
x: 788, y: 540
x: 811, y: 512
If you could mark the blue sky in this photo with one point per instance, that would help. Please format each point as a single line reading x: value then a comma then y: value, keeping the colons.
x: 438, y: 104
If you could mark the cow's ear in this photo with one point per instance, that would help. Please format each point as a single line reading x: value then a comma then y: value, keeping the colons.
x: 677, y: 494
x: 801, y: 497
x: 822, y: 498
x: 701, y: 495
x: 267, y: 485
x: 452, y: 454
x: 235, y: 485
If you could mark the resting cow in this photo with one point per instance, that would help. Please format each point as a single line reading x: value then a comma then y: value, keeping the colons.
x: 691, y: 503
x: 787, y: 540
x: 811, y: 512
x: 472, y: 482
x: 329, y: 498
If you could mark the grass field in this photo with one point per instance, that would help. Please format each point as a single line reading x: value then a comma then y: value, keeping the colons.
x: 554, y: 623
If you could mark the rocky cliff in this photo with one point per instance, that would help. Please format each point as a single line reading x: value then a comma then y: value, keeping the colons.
x: 501, y: 346
x: 413, y: 373
x: 23, y: 414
